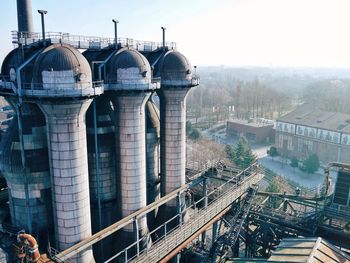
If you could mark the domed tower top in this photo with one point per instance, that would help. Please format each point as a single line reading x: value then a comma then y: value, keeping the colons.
x: 61, y: 66
x: 62, y: 71
x: 175, y: 70
x: 14, y: 59
x: 128, y: 69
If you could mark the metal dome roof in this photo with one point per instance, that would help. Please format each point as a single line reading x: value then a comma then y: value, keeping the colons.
x: 127, y: 58
x: 14, y: 59
x: 61, y: 58
x: 174, y: 65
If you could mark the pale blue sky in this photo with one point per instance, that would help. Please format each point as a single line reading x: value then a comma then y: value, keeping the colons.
x: 209, y: 32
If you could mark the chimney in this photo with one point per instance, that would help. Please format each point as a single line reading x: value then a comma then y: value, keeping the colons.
x: 24, y: 15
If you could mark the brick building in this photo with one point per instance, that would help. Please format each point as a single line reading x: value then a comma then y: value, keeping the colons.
x: 306, y: 131
x: 258, y: 131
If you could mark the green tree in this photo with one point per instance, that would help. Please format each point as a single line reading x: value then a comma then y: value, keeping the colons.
x: 294, y: 162
x: 272, y: 151
x: 195, y: 134
x: 243, y: 154
x: 311, y: 164
x: 230, y: 152
x: 192, y: 132
x: 188, y: 128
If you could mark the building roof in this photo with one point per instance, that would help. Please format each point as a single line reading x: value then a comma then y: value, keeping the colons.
x: 307, y: 250
x: 255, y: 123
x: 307, y: 116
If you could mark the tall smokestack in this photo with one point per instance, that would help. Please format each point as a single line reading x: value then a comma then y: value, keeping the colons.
x: 25, y: 16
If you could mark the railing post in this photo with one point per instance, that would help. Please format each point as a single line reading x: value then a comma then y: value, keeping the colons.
x: 126, y: 255
x: 179, y: 207
x: 136, y: 235
x: 147, y: 247
x: 205, y: 195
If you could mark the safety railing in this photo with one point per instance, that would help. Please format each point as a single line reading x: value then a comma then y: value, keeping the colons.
x: 224, y: 195
x: 194, y: 209
x: 6, y: 84
x: 131, y: 86
x: 75, y: 89
x: 180, y: 79
x: 84, y: 42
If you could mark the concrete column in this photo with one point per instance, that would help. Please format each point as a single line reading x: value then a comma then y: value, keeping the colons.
x: 129, y: 110
x: 66, y: 135
x: 172, y: 144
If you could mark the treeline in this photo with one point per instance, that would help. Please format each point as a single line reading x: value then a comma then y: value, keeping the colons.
x: 329, y: 95
x: 250, y: 99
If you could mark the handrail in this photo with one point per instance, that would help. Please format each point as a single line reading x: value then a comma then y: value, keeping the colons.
x: 84, y: 244
x: 182, y: 232
x: 77, y: 248
x: 26, y: 38
x: 72, y: 89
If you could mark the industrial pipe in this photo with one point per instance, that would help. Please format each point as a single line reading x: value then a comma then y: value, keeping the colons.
x: 201, y: 230
x: 30, y: 242
x: 163, y: 29
x: 115, y: 32
x: 42, y: 13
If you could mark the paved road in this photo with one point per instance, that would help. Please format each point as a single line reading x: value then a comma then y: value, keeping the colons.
x: 294, y: 174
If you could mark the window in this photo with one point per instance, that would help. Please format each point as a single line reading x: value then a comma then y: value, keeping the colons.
x: 290, y: 143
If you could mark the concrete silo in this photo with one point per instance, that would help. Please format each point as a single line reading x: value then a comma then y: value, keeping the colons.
x: 24, y: 157
x: 62, y: 86
x: 129, y: 85
x: 176, y: 80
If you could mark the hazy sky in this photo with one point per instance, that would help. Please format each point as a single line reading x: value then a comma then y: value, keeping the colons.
x: 209, y: 32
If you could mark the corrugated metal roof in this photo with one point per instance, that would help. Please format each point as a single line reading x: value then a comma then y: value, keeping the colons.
x: 307, y: 250
x: 306, y: 115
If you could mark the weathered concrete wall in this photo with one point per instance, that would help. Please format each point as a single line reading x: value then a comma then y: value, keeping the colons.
x: 66, y: 133
x: 29, y: 189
